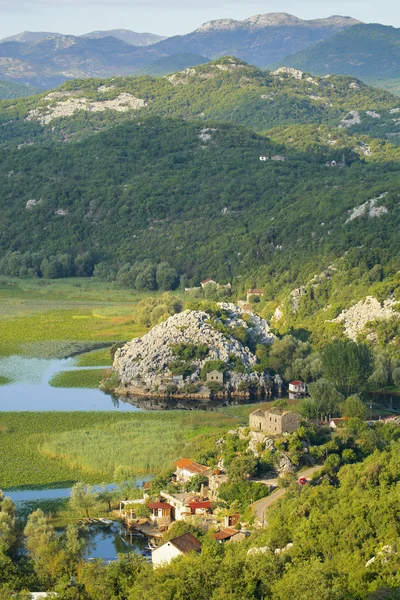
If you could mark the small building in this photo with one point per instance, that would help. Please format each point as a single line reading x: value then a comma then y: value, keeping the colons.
x: 275, y: 421
x: 160, y: 510
x: 278, y: 157
x: 232, y: 520
x: 263, y: 158
x: 297, y: 389
x: 229, y: 535
x: 208, y: 281
x: 200, y: 507
x: 215, y: 377
x: 179, y: 546
x: 255, y: 292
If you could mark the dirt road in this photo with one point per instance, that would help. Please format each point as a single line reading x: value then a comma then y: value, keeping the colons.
x: 261, y: 506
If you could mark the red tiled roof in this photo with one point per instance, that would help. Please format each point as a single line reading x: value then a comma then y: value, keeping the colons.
x: 183, y: 463
x: 191, y: 466
x: 296, y: 382
x: 156, y: 505
x: 206, y: 504
x: 186, y: 543
x: 225, y: 534
x: 255, y: 291
x: 208, y: 280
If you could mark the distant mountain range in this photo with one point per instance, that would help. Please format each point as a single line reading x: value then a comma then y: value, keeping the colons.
x: 126, y: 35
x: 363, y: 51
x: 338, y: 45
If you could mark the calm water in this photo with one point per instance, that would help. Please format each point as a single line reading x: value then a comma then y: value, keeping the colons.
x: 31, y: 390
x: 107, y: 542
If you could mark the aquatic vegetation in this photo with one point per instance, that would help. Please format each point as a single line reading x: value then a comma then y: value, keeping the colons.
x: 56, y: 449
x: 84, y: 378
x: 4, y: 380
x: 97, y: 358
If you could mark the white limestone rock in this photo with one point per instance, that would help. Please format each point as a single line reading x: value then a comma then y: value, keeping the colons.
x: 143, y: 362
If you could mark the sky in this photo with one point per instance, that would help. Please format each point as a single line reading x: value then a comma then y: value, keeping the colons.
x: 171, y: 17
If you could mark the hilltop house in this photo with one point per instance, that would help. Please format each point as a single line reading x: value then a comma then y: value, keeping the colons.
x: 208, y: 281
x: 215, y: 377
x: 254, y: 292
x: 263, y: 158
x: 275, y: 421
x: 186, y: 469
x: 297, y: 389
x: 177, y: 547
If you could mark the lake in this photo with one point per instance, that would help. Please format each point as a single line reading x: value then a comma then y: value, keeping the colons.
x: 31, y: 390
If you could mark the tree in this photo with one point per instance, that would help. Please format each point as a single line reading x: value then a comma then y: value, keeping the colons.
x: 325, y: 397
x: 347, y: 365
x: 242, y: 466
x: 83, y: 498
x: 354, y: 408
x: 166, y: 276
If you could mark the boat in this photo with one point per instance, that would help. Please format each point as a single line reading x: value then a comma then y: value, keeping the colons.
x: 106, y: 521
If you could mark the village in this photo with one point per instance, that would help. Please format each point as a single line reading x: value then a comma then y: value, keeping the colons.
x: 193, y: 494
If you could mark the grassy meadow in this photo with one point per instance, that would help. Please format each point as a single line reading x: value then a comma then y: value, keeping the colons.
x: 56, y: 449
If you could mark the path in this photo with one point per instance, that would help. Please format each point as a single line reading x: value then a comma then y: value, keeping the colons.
x: 260, y: 507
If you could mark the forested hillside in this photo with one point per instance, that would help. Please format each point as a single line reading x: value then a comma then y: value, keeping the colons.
x: 105, y: 173
x: 369, y: 52
x: 15, y: 90
x: 225, y: 90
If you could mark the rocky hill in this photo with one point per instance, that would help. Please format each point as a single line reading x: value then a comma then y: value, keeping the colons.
x: 224, y: 90
x: 260, y: 40
x: 45, y: 60
x: 185, y: 344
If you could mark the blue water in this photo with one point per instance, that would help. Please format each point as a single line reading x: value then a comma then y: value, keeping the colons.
x: 31, y: 389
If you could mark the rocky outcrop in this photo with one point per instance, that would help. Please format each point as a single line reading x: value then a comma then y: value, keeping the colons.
x: 143, y: 363
x: 69, y: 106
x: 370, y: 309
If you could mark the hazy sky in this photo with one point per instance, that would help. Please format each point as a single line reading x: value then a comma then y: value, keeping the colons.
x: 170, y: 17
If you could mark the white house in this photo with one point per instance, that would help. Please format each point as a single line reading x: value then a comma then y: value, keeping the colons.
x: 297, y: 389
x: 263, y: 158
x: 179, y: 546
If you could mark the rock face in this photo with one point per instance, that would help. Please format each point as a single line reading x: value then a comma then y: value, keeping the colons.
x: 144, y: 362
x: 356, y: 317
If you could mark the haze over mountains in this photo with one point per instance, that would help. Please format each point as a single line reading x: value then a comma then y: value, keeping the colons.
x: 126, y: 35
x: 39, y: 60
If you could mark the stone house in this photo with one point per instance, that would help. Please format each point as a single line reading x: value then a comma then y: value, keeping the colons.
x: 274, y: 421
x: 177, y: 547
x: 215, y: 377
x: 297, y: 389
x: 186, y: 469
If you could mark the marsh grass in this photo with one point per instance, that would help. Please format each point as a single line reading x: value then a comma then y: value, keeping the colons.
x: 4, y: 380
x: 56, y: 449
x: 84, y: 378
x: 97, y: 358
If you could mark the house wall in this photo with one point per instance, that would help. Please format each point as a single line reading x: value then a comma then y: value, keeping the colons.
x: 290, y: 422
x: 164, y: 554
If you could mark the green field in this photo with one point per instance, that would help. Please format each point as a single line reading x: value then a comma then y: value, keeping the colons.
x: 97, y: 358
x: 56, y: 449
x: 84, y: 378
x: 59, y: 318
